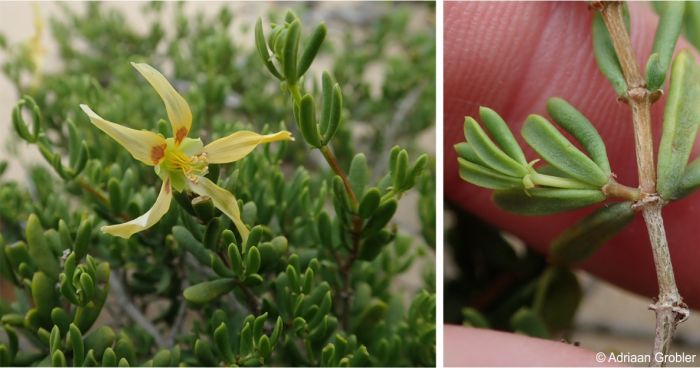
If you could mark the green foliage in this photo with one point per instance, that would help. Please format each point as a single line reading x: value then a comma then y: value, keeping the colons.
x: 680, y: 125
x: 606, y: 57
x: 585, y: 237
x: 315, y: 281
x: 667, y: 33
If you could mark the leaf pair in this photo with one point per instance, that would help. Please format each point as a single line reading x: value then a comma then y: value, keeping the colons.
x: 495, y: 165
x: 319, y: 133
x: 571, y: 180
x: 284, y: 44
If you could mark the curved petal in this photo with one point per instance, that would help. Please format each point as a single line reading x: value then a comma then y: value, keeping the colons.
x: 148, y: 219
x: 178, y: 110
x: 237, y: 145
x: 223, y: 200
x: 145, y: 146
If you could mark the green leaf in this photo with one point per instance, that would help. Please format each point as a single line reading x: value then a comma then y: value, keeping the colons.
x: 334, y: 117
x: 369, y: 203
x: 473, y: 318
x: 358, y: 174
x: 245, y: 345
x: 545, y: 201
x: 98, y: 340
x: 252, y: 261
x: 326, y: 92
x: 264, y: 347
x: 54, y: 339
x: 328, y: 355
x: 262, y: 49
x: 311, y: 49
x: 60, y: 318
x: 399, y: 170
x: 500, y: 132
x: 307, y: 121
x: 691, y: 178
x: 21, y: 126
x: 331, y: 109
x: 75, y: 340
x: 202, y: 349
x: 38, y: 248
x: 525, y: 321
x: 374, y: 244
x: 44, y: 295
x: 90, y: 360
x: 219, y: 267
x: 115, y: 195
x: 212, y: 234
x: 109, y: 358
x: 125, y: 349
x: 606, y: 57
x: 667, y: 32
x: 488, y: 152
x: 552, y: 146
x: 680, y: 125
x: 381, y: 217
x: 82, y: 239
x: 279, y: 325
x: 162, y: 359
x: 221, y: 338
x: 692, y: 23
x: 582, y: 239
x: 192, y: 245
x: 655, y: 72
x: 235, y: 259
x: 58, y: 359
x: 291, y: 48
x: 204, y: 208
x: 557, y: 297
x: 485, y: 177
x: 87, y: 286
x: 209, y: 290
x: 573, y: 121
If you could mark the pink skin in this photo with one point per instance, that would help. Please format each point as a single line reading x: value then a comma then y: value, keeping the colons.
x: 511, y: 57
x: 477, y: 347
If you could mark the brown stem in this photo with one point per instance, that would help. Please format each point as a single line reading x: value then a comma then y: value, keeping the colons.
x: 333, y: 163
x: 670, y: 310
x: 617, y: 190
x: 356, y: 231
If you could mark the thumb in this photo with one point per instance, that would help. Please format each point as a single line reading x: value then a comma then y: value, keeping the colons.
x: 512, y: 57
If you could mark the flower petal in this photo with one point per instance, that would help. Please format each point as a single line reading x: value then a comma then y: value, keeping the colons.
x: 237, y: 145
x: 145, y: 146
x: 148, y: 219
x: 223, y: 200
x: 178, y: 110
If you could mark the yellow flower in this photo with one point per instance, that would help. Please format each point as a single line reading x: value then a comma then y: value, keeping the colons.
x: 181, y: 162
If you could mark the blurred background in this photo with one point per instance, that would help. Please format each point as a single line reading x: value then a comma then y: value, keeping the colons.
x: 492, y: 275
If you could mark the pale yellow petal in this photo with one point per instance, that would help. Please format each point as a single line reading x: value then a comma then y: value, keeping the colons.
x: 148, y: 219
x: 223, y: 200
x: 178, y: 110
x: 145, y: 146
x: 237, y: 145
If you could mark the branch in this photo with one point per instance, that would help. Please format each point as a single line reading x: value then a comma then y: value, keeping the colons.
x: 670, y: 310
x: 130, y: 309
